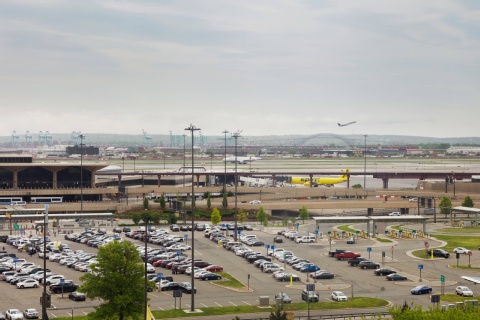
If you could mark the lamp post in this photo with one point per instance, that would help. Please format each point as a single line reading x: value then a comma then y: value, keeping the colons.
x: 225, y: 163
x: 365, y: 164
x: 236, y: 135
x: 44, y: 295
x: 184, y: 159
x: 123, y: 164
x: 145, y: 240
x: 192, y: 129
x: 81, y: 172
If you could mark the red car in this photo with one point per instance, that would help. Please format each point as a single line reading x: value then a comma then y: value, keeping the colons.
x: 214, y: 268
x: 157, y: 263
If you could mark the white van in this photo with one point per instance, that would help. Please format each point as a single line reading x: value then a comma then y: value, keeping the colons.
x: 305, y: 239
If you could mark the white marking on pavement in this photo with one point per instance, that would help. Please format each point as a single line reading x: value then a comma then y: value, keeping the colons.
x: 218, y: 304
x: 232, y: 303
x: 203, y: 304
x: 247, y: 303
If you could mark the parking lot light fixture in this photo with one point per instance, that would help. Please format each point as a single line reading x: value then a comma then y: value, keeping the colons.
x: 192, y: 130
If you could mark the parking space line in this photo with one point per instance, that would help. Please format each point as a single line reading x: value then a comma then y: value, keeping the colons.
x: 247, y: 303
x: 218, y: 304
x: 232, y: 303
x: 203, y: 304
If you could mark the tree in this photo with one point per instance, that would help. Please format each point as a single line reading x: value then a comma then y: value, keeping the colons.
x: 445, y: 205
x: 414, y: 313
x: 467, y: 202
x: 357, y: 186
x: 117, y: 279
x: 262, y: 216
x: 225, y: 201
x: 278, y: 315
x: 162, y: 201
x: 242, y: 216
x: 303, y: 213
x: 146, y: 203
x: 209, y: 202
x: 150, y: 217
x: 216, y: 217
x: 136, y: 218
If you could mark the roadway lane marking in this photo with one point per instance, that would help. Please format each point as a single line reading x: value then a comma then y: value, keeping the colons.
x: 218, y: 304
x: 247, y: 303
x: 232, y: 303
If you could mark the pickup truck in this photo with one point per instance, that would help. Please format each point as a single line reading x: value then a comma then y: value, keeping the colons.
x: 333, y: 253
x: 347, y: 255
x: 68, y: 286
x: 356, y: 261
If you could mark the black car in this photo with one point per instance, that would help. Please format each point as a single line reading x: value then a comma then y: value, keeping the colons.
x: 439, y: 253
x: 257, y: 244
x: 396, y: 277
x: 127, y: 229
x: 286, y: 277
x: 383, y: 272
x: 368, y: 265
x: 65, y: 287
x: 184, y: 227
x: 200, y: 227
x: 211, y: 276
x: 277, y: 239
x: 170, y: 286
x: 322, y: 275
x: 77, y: 296
x: 186, y: 287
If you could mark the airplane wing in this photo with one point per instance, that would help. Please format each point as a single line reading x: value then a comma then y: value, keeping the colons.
x: 475, y: 280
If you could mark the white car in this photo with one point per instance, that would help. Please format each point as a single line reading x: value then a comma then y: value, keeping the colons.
x: 461, y: 250
x: 464, y: 291
x: 394, y: 214
x: 13, y: 314
x: 28, y: 283
x: 255, y: 202
x: 413, y: 199
x: 339, y: 296
x: 150, y: 268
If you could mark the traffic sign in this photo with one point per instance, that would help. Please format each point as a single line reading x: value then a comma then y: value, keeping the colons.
x: 469, y: 253
x: 442, y: 278
x: 310, y: 287
x: 15, y: 259
x: 185, y: 236
x: 46, y: 207
x: 267, y: 246
x: 272, y: 247
x: 62, y: 282
x: 391, y: 249
x: 16, y: 226
x: 159, y: 275
x: 297, y: 224
x: 420, y: 266
x: 316, y: 231
x: 369, y: 249
x: 179, y: 253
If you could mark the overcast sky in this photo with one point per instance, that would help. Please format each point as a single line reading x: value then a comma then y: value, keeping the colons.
x: 404, y: 67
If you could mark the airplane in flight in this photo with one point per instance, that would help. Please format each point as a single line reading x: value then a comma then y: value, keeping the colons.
x: 346, y: 124
x: 325, y: 181
x: 243, y: 160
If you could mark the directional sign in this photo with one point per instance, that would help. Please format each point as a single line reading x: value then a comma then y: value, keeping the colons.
x: 442, y: 278
x: 420, y: 266
x: 16, y: 226
x: 369, y: 249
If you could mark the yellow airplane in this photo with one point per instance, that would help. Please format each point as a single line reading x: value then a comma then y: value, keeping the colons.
x: 319, y: 181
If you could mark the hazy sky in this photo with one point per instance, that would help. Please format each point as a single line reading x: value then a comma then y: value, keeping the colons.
x: 405, y: 67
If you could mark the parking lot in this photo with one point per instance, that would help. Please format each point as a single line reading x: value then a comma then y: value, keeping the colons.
x: 351, y: 280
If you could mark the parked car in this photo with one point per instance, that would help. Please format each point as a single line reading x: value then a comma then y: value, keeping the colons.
x: 309, y: 296
x: 211, y: 276
x: 368, y: 265
x: 383, y: 272
x: 438, y: 253
x: 322, y: 274
x: 339, y: 296
x: 285, y: 298
x: 255, y: 202
x: 277, y: 239
x: 13, y: 314
x: 287, y: 276
x: 27, y: 283
x: 464, y: 291
x: 186, y: 287
x: 351, y: 240
x: 77, y: 296
x: 30, y: 313
x: 396, y: 277
x: 421, y: 290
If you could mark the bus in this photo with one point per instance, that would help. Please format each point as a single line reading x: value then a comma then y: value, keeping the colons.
x: 10, y: 200
x: 46, y: 200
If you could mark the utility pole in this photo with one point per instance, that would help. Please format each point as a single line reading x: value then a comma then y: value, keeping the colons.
x: 225, y: 163
x: 236, y: 135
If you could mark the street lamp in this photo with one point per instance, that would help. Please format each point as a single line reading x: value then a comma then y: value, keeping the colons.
x: 192, y: 129
x: 236, y: 135
x: 184, y: 159
x: 123, y: 164
x: 365, y: 164
x: 81, y: 172
x: 225, y: 163
x: 44, y: 295
x: 145, y: 240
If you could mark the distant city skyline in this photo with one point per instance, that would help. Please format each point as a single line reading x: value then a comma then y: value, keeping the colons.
x: 401, y: 67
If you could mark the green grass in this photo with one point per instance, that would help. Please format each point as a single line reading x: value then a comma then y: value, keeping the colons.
x: 229, y: 281
x: 455, y: 298
x: 346, y: 228
x: 471, y: 243
x: 352, y: 303
x: 459, y: 230
x: 383, y: 240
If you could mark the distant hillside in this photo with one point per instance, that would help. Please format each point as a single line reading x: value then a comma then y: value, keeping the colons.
x: 320, y: 139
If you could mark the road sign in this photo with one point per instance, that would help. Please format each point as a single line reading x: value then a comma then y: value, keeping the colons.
x: 420, y: 266
x: 177, y: 293
x: 159, y: 275
x: 179, y: 253
x: 297, y: 224
x: 185, y: 236
x: 272, y: 247
x: 15, y: 259
x: 267, y: 246
x: 391, y: 249
x: 469, y: 253
x: 62, y: 282
x: 426, y: 245
x: 369, y: 249
x: 16, y: 226
x: 316, y: 231
x: 310, y: 287
x: 46, y: 207
x: 442, y: 278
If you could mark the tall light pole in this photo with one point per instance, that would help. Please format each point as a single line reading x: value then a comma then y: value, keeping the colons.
x: 192, y: 130
x: 145, y: 240
x: 225, y: 163
x: 44, y: 295
x: 81, y: 172
x: 236, y: 135
x: 365, y: 164
x: 184, y: 136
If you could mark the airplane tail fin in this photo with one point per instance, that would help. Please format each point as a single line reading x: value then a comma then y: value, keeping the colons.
x: 344, y: 176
